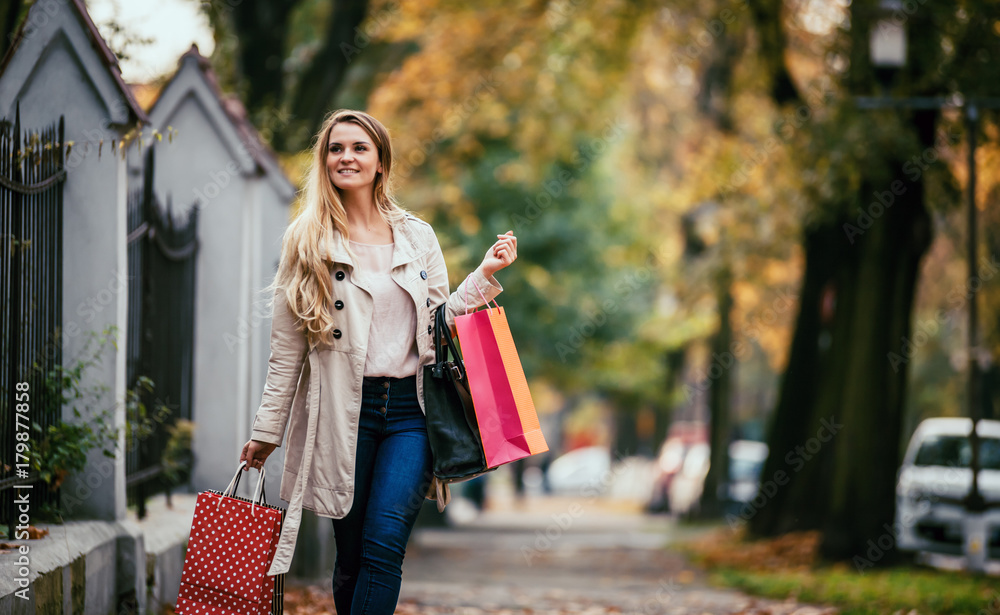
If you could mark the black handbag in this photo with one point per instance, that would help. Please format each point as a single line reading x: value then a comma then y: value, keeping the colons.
x: 452, y: 428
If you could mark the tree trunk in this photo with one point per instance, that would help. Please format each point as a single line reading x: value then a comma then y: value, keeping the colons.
x: 674, y: 361
x: 722, y: 363
x: 10, y: 12
x: 834, y: 446
x: 789, y: 500
x: 262, y: 28
x: 318, y: 85
x: 862, y: 498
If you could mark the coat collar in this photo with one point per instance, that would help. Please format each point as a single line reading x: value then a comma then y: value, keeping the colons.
x: 406, y: 249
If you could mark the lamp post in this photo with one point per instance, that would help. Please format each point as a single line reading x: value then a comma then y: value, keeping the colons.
x: 888, y: 49
x: 887, y: 43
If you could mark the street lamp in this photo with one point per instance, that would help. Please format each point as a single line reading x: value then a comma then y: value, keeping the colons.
x: 887, y: 41
x: 887, y: 52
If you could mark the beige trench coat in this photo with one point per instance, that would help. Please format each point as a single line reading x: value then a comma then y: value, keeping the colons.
x: 317, y: 393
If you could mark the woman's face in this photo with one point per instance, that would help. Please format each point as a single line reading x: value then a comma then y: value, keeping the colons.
x: 351, y: 158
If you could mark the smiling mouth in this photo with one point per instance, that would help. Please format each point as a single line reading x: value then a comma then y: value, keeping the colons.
x: 347, y: 171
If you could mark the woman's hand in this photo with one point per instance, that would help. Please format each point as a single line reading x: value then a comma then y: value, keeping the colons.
x: 500, y: 254
x: 255, y: 453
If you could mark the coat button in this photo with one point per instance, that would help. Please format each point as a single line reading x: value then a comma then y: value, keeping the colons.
x: 428, y: 301
x: 339, y: 275
x: 423, y: 274
x: 338, y: 304
x: 337, y: 334
x: 384, y: 396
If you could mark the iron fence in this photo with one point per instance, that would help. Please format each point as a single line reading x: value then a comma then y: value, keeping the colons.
x: 160, y: 342
x: 32, y: 174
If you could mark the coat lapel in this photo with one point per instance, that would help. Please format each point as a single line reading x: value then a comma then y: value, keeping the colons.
x: 407, y: 248
x: 332, y: 249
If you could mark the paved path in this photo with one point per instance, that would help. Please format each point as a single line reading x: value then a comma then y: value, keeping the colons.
x: 555, y: 556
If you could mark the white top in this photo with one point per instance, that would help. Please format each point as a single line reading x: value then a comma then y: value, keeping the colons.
x: 392, y: 345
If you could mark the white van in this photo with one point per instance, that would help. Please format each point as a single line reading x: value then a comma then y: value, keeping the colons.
x: 935, y: 477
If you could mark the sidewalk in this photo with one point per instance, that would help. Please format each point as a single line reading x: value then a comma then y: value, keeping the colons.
x: 90, y: 566
x: 555, y: 555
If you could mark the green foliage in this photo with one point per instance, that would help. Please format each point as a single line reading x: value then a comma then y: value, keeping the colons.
x: 177, y: 454
x: 895, y: 590
x: 567, y: 296
x: 62, y: 448
x: 141, y: 422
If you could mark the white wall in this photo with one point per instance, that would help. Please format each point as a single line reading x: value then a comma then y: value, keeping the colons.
x: 56, y: 71
x: 240, y: 212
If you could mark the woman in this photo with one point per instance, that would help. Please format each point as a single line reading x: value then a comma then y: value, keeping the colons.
x: 352, y: 328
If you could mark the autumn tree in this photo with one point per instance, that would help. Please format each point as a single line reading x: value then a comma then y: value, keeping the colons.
x: 837, y: 426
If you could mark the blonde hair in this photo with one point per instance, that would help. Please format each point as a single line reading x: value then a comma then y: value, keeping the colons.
x: 303, y: 276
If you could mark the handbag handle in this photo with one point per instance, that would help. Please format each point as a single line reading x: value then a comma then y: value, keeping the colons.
x: 441, y: 350
x: 230, y: 490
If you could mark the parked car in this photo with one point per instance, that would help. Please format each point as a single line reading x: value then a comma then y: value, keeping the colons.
x: 746, y: 461
x: 935, y: 475
x: 582, y: 471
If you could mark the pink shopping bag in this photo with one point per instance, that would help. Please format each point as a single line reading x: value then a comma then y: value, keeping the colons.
x: 508, y: 422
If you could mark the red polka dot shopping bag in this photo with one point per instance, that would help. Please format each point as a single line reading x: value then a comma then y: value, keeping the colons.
x: 229, y: 551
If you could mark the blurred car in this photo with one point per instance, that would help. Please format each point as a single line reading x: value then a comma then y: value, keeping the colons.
x: 582, y: 471
x: 935, y: 475
x: 746, y: 462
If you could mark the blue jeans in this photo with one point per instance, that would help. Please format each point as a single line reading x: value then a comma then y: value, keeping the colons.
x: 391, y: 478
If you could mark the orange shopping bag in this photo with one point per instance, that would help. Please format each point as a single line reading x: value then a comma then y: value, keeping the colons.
x: 508, y: 422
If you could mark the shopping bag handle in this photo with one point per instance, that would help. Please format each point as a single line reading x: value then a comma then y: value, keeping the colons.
x: 486, y: 301
x: 263, y: 498
x: 230, y: 490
